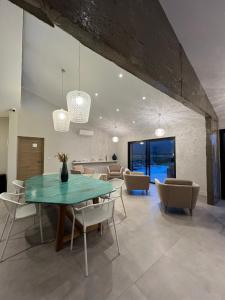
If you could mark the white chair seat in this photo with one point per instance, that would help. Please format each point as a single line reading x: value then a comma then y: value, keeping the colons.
x: 92, y: 216
x: 25, y: 211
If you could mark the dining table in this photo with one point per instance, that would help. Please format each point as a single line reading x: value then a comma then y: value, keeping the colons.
x: 48, y: 189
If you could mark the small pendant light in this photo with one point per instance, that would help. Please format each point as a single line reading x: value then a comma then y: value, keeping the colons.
x: 160, y: 132
x: 78, y: 102
x: 115, y: 138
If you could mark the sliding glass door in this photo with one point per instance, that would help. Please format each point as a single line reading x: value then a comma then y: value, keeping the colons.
x: 155, y: 158
x: 137, y: 157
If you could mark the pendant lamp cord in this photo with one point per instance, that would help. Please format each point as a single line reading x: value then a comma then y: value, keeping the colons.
x: 62, y: 84
x: 79, y: 67
x: 159, y: 120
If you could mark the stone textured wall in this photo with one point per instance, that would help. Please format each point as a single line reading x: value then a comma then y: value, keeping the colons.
x: 190, y: 150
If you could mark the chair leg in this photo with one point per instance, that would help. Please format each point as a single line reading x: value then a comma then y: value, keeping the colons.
x: 191, y: 211
x: 6, y: 241
x: 72, y: 234
x: 3, y: 230
x: 121, y: 196
x: 101, y: 229
x: 117, y: 241
x: 40, y: 223
x: 85, y: 253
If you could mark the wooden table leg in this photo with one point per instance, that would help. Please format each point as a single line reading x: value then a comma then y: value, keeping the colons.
x: 60, y: 228
x: 95, y: 200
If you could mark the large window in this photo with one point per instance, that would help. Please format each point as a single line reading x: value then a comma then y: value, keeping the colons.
x: 155, y: 158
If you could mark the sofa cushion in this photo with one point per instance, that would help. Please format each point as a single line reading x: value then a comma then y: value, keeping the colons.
x: 114, y: 168
x: 114, y: 173
x: 178, y: 181
x: 78, y: 168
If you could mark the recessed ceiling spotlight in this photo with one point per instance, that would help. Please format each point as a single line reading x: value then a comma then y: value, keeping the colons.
x: 101, y: 117
x: 141, y: 143
x: 117, y: 109
x: 133, y: 122
x: 96, y: 94
x: 120, y: 75
x: 143, y: 98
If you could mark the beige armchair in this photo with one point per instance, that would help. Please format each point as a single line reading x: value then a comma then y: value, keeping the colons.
x: 115, y: 171
x: 80, y: 169
x: 178, y: 193
x: 136, y: 181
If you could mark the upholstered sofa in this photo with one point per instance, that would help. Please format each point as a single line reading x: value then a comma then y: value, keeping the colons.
x: 115, y: 171
x: 178, y: 193
x: 80, y: 169
x: 136, y: 181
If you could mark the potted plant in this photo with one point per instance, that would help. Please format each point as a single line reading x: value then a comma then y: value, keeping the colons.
x: 63, y: 158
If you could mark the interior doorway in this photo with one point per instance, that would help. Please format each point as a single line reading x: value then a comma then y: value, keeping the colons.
x: 156, y: 158
x: 30, y: 158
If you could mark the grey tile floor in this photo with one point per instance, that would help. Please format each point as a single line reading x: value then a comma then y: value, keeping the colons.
x: 163, y: 256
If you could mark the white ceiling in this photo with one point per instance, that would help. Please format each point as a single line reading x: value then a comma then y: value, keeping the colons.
x: 46, y: 50
x: 11, y: 21
x: 200, y: 27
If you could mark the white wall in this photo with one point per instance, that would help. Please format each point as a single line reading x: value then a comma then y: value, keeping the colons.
x: 11, y: 25
x: 12, y: 149
x: 190, y: 150
x: 4, y: 132
x: 35, y: 120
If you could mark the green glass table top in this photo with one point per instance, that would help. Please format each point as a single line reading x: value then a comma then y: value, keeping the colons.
x: 50, y: 189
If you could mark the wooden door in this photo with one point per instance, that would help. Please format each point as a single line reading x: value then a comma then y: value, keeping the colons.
x: 30, y: 159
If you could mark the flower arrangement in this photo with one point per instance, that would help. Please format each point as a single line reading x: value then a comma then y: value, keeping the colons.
x: 62, y: 157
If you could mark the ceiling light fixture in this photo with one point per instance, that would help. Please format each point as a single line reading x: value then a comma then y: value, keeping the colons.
x: 61, y: 118
x: 101, y: 117
x: 160, y: 132
x: 78, y: 102
x: 120, y: 75
x: 133, y: 122
x: 117, y: 109
x: 115, y: 139
x: 143, y: 98
x: 96, y: 94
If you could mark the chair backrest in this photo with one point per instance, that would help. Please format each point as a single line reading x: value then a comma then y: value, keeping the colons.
x: 11, y: 201
x: 19, y: 185
x: 178, y: 181
x: 89, y: 170
x: 97, y: 213
x: 114, y: 168
x: 78, y: 168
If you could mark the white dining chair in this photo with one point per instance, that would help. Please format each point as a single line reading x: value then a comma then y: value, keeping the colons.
x: 91, y: 215
x: 19, y: 185
x: 19, y: 188
x: 15, y: 211
x: 117, y: 191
